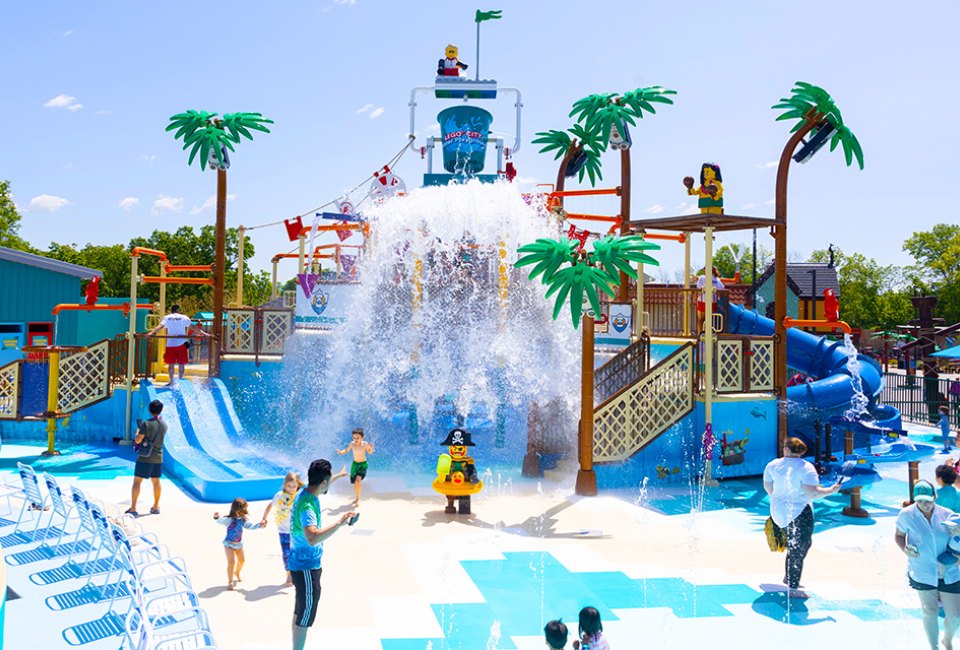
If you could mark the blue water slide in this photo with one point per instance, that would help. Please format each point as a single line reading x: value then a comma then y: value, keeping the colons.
x: 825, y: 360
x: 205, y: 446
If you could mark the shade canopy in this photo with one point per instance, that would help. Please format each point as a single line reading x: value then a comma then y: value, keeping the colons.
x: 949, y: 353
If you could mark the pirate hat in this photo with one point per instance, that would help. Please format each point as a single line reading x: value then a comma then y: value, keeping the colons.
x: 458, y: 438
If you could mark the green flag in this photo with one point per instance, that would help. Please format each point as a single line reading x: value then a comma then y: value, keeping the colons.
x: 488, y: 15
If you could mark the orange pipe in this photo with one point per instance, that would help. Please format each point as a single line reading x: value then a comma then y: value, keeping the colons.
x: 592, y: 217
x: 615, y: 190
x: 156, y: 279
x: 125, y: 308
x: 817, y: 324
x: 148, y: 251
x: 172, y: 268
x: 679, y: 237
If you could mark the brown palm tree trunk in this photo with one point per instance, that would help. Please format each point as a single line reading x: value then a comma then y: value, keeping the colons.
x: 623, y: 291
x: 219, y: 269
x: 780, y: 276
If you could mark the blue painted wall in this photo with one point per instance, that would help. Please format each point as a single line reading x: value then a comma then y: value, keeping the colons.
x: 84, y: 328
x: 101, y: 422
x: 677, y: 454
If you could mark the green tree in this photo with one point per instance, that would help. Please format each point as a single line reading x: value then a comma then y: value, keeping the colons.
x: 937, y: 268
x: 731, y: 258
x: 10, y: 221
x: 112, y: 261
x: 185, y: 246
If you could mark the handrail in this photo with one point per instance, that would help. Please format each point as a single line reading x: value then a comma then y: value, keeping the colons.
x: 615, y: 190
x: 158, y: 279
x: 662, y: 362
x: 817, y: 324
x: 139, y: 250
x: 125, y: 307
x: 173, y: 268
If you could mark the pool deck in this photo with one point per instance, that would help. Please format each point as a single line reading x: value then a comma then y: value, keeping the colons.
x: 668, y: 566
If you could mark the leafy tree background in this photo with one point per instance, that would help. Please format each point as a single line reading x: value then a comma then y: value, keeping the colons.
x: 10, y: 221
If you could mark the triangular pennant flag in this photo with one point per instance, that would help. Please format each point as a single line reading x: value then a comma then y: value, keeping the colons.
x: 344, y: 234
x: 348, y: 262
x: 307, y: 282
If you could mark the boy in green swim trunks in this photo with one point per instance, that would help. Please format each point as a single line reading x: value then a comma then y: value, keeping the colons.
x: 358, y: 470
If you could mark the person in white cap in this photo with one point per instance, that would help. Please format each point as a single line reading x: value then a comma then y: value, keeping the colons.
x: 923, y: 537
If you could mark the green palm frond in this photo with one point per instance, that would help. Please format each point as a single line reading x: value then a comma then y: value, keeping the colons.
x: 548, y: 255
x: 574, y: 283
x: 585, y: 108
x: 591, y: 167
x: 553, y: 139
x: 806, y: 97
x: 642, y: 99
x: 615, y: 254
x: 604, y: 119
x: 589, y: 137
x: 851, y: 146
x: 188, y: 123
x: 241, y: 123
x: 207, y: 136
x: 209, y: 139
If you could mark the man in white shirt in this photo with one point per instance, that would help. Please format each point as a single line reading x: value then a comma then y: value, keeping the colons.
x: 793, y: 484
x: 178, y: 327
x: 701, y: 296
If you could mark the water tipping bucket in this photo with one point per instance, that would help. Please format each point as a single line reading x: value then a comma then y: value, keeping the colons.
x: 463, y: 131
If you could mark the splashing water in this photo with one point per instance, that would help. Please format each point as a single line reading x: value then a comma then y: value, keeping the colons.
x: 859, y: 401
x: 440, y: 321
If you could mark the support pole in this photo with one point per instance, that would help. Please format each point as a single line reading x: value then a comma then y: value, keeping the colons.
x: 273, y: 285
x: 301, y: 259
x: 161, y: 343
x: 686, y: 284
x: 638, y: 306
x: 854, y: 509
x: 586, y: 484
x: 131, y: 348
x: 913, y: 475
x: 708, y: 291
x: 241, y: 240
x: 53, y: 382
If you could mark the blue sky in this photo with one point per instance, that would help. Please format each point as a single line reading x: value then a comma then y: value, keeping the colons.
x: 88, y: 89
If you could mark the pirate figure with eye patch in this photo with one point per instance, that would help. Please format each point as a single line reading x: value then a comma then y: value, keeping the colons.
x: 456, y: 474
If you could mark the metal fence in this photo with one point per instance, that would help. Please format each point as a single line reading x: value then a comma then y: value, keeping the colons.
x: 919, y: 398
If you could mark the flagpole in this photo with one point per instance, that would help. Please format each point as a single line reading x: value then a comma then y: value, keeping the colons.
x: 478, y: 51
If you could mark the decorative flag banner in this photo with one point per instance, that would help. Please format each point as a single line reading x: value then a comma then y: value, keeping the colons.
x: 294, y: 227
x: 348, y: 262
x: 355, y: 218
x: 344, y: 234
x: 579, y: 235
x: 308, y: 281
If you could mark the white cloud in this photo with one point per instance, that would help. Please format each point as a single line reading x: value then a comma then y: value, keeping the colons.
x: 46, y: 203
x: 770, y: 164
x: 748, y: 206
x: 148, y: 158
x: 68, y: 166
x: 210, y: 203
x: 654, y: 209
x: 167, y: 204
x: 346, y: 2
x: 364, y: 108
x: 69, y: 32
x: 129, y: 202
x: 770, y: 202
x: 377, y: 112
x: 64, y: 101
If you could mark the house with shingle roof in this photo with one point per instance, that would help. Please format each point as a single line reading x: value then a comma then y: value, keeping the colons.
x: 805, y: 284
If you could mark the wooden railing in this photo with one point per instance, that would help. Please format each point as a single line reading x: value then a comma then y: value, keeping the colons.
x: 633, y: 417
x: 622, y: 370
x: 145, y: 353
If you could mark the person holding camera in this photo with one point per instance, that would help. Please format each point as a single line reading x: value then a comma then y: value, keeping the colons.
x: 148, y: 444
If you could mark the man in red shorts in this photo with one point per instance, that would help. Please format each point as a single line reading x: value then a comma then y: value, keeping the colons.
x: 178, y: 327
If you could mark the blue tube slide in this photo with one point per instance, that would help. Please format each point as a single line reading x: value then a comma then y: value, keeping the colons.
x: 825, y: 360
x: 205, y: 447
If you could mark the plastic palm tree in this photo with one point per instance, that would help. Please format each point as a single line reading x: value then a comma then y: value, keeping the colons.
x: 210, y: 137
x: 817, y: 115
x: 572, y: 274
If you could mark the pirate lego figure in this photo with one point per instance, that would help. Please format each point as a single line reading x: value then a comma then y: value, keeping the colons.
x: 456, y: 475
